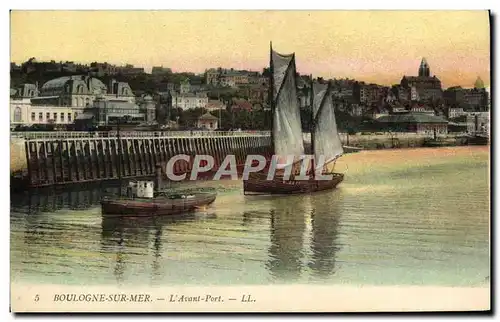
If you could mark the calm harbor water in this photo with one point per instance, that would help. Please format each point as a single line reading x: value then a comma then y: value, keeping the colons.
x: 413, y: 217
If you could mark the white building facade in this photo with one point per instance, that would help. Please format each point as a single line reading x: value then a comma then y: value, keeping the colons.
x: 189, y: 100
x: 22, y: 112
x: 61, y: 100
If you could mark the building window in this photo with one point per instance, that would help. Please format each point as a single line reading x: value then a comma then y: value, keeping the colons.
x: 18, y: 115
x: 62, y: 117
x: 47, y: 116
x: 40, y: 117
x: 55, y: 117
x: 69, y: 117
x: 33, y: 116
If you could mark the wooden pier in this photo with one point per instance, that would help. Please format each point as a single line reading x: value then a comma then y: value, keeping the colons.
x: 54, y: 161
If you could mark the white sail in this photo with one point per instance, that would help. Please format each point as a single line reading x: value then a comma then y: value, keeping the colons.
x: 287, y: 128
x: 326, y: 138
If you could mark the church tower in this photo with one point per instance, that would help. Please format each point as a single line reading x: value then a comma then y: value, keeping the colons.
x: 479, y: 84
x: 424, y: 69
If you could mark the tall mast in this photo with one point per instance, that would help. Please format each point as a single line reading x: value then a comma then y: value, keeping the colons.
x: 312, y: 127
x: 271, y: 92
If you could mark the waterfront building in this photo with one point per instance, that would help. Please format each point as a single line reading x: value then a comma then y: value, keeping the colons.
x: 420, y: 123
x: 105, y: 111
x: 62, y: 100
x: 23, y: 112
x: 208, y: 121
x: 80, y: 92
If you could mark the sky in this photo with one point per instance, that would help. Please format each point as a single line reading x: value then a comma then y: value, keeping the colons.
x: 373, y: 46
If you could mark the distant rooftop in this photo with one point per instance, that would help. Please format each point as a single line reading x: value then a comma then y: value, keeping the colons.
x: 208, y: 117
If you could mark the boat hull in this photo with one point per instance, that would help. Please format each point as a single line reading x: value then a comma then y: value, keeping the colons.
x: 257, y: 183
x: 153, y: 207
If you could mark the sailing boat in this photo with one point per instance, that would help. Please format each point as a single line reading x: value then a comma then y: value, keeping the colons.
x: 287, y: 136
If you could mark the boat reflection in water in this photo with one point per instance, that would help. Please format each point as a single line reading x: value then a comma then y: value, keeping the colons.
x: 287, y: 239
x: 304, y: 232
x: 325, y: 218
x: 140, y: 240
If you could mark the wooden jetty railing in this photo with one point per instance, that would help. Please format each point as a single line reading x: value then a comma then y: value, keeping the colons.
x: 63, y: 161
x: 108, y: 134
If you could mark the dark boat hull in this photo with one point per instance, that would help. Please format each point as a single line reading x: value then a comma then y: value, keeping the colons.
x: 257, y: 183
x: 139, y: 207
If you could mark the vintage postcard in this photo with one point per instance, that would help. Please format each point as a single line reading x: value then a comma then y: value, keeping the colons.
x: 250, y: 161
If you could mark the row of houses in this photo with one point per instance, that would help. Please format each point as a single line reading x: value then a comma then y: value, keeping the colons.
x: 70, y: 99
x: 232, y: 78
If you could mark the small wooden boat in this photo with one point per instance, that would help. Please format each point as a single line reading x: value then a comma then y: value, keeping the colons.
x: 144, y: 198
x: 159, y: 205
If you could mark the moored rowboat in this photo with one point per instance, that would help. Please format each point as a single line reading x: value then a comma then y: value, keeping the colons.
x: 157, y: 206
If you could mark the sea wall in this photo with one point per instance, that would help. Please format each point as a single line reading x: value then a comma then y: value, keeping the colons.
x: 375, y: 141
x: 64, y: 161
x: 17, y: 155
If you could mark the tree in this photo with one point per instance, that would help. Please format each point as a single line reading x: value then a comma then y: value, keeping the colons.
x: 161, y: 113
